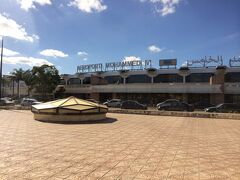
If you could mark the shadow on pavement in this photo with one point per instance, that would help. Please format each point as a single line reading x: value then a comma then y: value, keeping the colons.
x: 104, y: 121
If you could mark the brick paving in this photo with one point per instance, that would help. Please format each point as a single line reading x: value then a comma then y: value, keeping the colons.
x: 132, y: 147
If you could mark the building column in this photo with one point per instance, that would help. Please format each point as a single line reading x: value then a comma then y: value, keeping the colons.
x: 124, y: 75
x: 184, y: 79
x: 184, y: 72
x: 81, y: 81
x: 218, y: 78
x: 66, y: 80
x: 152, y: 72
x: 152, y: 80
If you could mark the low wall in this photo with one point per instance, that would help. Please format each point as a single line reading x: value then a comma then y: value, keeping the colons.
x: 15, y: 107
x: 178, y: 113
x: 155, y: 112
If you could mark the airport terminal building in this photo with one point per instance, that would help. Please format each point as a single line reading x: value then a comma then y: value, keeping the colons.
x: 206, y: 79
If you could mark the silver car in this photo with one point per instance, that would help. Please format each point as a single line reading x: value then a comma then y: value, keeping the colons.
x: 6, y: 101
x: 29, y: 102
x: 113, y: 103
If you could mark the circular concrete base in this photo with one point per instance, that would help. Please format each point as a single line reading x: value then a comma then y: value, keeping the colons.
x: 69, y: 118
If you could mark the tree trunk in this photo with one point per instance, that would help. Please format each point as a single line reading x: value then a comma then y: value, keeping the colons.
x: 3, y: 88
x: 18, y: 87
x: 13, y: 88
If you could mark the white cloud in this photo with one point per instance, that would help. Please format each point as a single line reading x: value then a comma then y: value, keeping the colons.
x: 30, y: 61
x: 5, y: 14
x: 8, y: 52
x: 154, y: 49
x: 28, y: 4
x: 10, y: 28
x: 185, y: 64
x: 88, y: 6
x: 164, y: 7
x: 53, y: 53
x: 131, y: 58
x: 35, y: 36
x: 82, y: 53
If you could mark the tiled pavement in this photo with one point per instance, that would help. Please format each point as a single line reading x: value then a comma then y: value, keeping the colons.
x: 132, y: 147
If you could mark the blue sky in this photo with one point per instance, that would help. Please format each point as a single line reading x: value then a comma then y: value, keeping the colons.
x: 68, y: 33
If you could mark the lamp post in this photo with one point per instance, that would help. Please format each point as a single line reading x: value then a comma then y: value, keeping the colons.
x: 1, y: 71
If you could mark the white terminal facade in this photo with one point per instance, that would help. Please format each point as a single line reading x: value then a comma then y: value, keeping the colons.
x: 206, y: 79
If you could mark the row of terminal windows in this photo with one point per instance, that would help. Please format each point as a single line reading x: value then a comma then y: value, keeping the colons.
x: 232, y: 77
x: 161, y: 78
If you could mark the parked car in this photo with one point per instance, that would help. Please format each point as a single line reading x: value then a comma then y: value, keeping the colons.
x: 133, y: 105
x: 93, y: 100
x: 113, y: 103
x: 224, y: 108
x: 175, y: 105
x: 168, y: 101
x: 202, y: 105
x: 29, y: 102
x: 6, y: 101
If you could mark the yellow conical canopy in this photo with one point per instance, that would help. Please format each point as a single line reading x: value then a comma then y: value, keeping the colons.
x: 70, y: 105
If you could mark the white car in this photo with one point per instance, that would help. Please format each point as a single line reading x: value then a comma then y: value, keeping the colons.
x: 29, y: 102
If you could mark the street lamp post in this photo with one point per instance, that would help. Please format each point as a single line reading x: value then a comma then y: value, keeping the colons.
x: 1, y: 71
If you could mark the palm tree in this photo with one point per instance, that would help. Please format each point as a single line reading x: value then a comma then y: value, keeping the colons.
x: 18, y: 74
x: 13, y: 79
x: 28, y: 78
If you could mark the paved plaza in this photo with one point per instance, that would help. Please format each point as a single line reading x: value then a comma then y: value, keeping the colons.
x: 122, y: 147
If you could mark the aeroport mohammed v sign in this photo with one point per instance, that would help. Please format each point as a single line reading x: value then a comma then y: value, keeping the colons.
x: 114, y: 66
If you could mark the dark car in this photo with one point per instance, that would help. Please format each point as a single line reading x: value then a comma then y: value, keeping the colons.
x: 175, y: 105
x: 224, y: 108
x: 133, y: 105
x: 113, y: 103
x: 168, y: 101
x: 202, y: 105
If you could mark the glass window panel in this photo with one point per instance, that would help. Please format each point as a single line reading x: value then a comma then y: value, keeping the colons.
x: 44, y: 106
x: 114, y: 79
x: 88, y: 103
x: 141, y: 78
x: 47, y: 111
x: 87, y: 80
x: 58, y: 102
x: 78, y: 107
x: 91, y: 111
x: 168, y: 78
x: 64, y: 111
x: 199, y: 77
x: 69, y: 102
x: 232, y: 77
x: 74, y: 81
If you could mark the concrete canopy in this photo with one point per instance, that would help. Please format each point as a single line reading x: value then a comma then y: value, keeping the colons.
x: 69, y: 109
